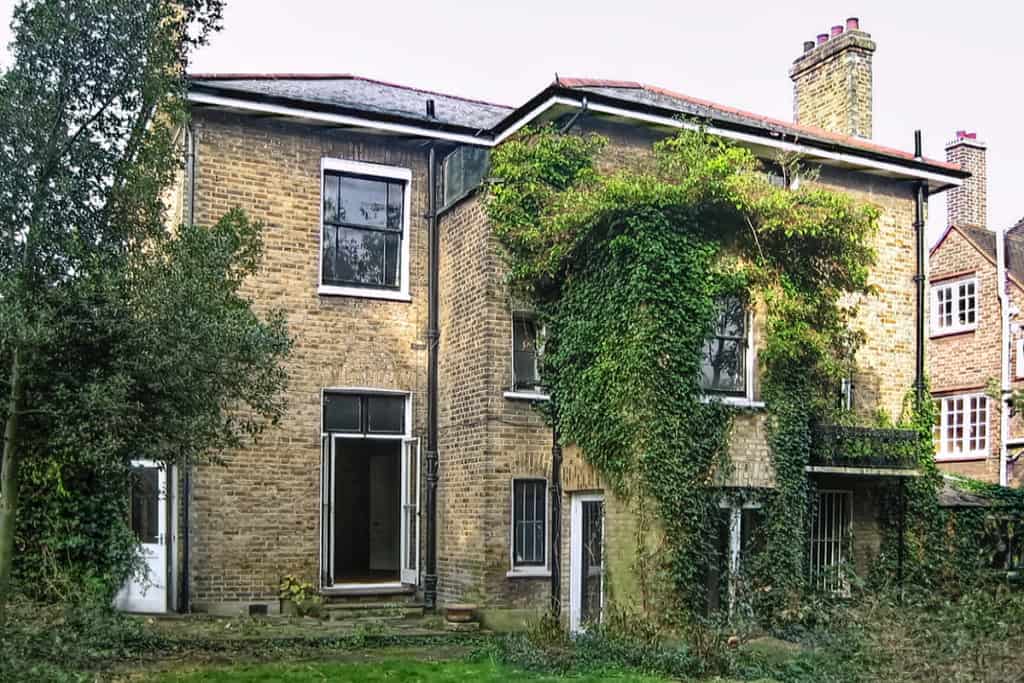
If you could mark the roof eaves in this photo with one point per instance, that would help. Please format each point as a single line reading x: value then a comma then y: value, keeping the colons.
x: 769, y: 128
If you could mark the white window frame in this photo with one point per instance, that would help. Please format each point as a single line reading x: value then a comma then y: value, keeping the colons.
x: 518, y: 571
x: 941, y: 454
x: 524, y: 394
x: 951, y: 286
x: 374, y: 171
x: 735, y: 562
x: 750, y: 367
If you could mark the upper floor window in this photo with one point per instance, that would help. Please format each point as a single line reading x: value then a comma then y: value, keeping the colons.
x: 961, y: 426
x: 525, y: 353
x: 955, y: 306
x: 726, y: 366
x: 364, y: 237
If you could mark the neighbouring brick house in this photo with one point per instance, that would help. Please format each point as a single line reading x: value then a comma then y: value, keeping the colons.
x: 368, y: 191
x: 976, y: 348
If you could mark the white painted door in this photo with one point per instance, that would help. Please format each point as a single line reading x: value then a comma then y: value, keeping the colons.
x: 410, y: 510
x: 148, y: 592
x: 586, y: 561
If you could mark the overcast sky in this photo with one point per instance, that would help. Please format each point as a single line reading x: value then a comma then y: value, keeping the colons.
x: 940, y: 66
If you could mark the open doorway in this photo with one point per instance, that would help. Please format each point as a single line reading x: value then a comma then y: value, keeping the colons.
x: 367, y: 483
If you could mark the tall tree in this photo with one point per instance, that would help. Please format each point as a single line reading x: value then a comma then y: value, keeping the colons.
x: 119, y: 338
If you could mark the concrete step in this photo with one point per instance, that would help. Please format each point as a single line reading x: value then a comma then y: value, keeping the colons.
x: 376, y: 611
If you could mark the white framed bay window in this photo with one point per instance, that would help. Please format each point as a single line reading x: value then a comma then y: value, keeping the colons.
x: 954, y: 306
x: 961, y: 430
x: 364, y: 230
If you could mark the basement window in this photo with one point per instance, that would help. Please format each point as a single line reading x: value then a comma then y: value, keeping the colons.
x: 832, y: 542
x: 954, y: 306
x: 364, y: 237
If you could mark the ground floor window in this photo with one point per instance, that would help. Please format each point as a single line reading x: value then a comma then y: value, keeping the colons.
x: 738, y: 539
x: 529, y: 523
x: 832, y: 542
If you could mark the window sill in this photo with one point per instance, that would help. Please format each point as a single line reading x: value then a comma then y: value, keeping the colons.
x: 526, y: 396
x: 961, y: 457
x: 734, y: 401
x: 525, y: 573
x: 952, y: 333
x: 360, y: 293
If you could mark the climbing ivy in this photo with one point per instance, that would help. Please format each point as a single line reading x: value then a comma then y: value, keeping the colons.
x: 626, y: 268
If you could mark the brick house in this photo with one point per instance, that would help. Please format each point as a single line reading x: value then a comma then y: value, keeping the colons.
x: 412, y: 459
x: 975, y: 346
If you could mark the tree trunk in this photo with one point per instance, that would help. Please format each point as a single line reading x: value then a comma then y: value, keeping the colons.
x: 9, y: 480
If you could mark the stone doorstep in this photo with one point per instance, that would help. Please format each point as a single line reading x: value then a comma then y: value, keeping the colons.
x: 391, y: 611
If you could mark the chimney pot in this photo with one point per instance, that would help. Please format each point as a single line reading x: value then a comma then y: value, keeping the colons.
x: 808, y: 45
x: 822, y: 37
x: 837, y: 30
x: 853, y: 24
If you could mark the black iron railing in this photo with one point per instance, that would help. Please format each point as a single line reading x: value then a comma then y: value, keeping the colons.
x: 841, y: 446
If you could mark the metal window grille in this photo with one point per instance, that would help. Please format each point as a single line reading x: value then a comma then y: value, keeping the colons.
x: 831, y: 542
x: 529, y: 516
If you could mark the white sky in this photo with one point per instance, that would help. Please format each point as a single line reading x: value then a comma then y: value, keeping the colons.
x: 940, y: 66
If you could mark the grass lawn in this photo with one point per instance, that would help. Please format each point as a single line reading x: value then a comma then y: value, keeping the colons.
x: 390, y: 671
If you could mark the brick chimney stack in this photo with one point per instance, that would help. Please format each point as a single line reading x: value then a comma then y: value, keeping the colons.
x: 832, y: 81
x: 966, y: 205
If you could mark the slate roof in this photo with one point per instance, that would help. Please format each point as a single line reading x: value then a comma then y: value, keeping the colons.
x: 651, y: 95
x: 348, y: 94
x: 346, y: 91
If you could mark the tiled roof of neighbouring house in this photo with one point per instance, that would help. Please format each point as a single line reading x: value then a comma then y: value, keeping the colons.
x: 346, y: 91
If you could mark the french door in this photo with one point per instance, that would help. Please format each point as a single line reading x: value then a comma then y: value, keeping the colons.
x: 149, y: 521
x: 410, y: 511
x: 586, y: 561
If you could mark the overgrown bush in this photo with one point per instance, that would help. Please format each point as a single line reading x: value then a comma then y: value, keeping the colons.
x: 69, y: 642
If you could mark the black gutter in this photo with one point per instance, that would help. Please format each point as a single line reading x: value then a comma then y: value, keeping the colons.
x: 185, y: 599
x: 433, y: 336
x: 768, y: 132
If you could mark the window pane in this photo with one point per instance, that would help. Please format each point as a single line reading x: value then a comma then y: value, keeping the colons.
x: 342, y: 413
x: 529, y: 518
x: 396, y: 205
x: 331, y: 184
x: 751, y: 538
x: 724, y: 365
x: 385, y: 414
x: 364, y: 202
x: 392, y: 257
x: 524, y: 352
x: 354, y: 256
x: 145, y: 504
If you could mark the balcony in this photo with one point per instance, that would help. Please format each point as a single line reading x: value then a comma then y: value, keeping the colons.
x: 865, y: 451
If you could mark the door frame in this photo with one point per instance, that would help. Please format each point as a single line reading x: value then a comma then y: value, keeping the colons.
x: 409, y: 576
x: 576, y: 555
x: 165, y: 529
x: 328, y: 470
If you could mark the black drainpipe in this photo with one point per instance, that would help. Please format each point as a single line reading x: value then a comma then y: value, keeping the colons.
x: 433, y: 335
x: 919, y: 276
x: 556, y: 521
x: 185, y: 601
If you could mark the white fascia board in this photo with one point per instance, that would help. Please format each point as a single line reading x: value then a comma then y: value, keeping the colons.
x: 840, y: 157
x: 335, y: 119
x: 667, y: 121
